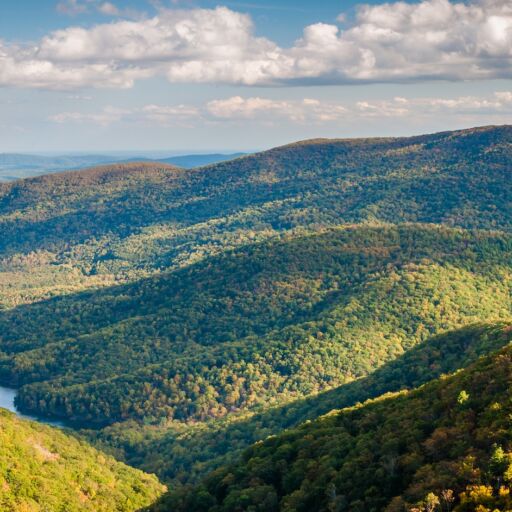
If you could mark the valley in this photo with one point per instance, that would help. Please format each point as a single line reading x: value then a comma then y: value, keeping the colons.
x: 201, y: 325
x: 256, y: 256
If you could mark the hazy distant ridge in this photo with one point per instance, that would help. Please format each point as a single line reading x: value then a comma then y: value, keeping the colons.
x: 15, y: 166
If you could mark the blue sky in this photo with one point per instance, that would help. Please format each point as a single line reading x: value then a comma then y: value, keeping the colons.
x: 91, y: 75
x: 282, y: 21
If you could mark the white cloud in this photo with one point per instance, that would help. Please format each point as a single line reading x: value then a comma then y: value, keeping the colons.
x: 497, y: 103
x: 109, y: 9
x: 395, y: 108
x: 267, y: 109
x: 21, y: 67
x: 108, y: 116
x: 308, y: 110
x: 77, y: 7
x: 166, y: 115
x: 393, y: 42
x: 159, y: 114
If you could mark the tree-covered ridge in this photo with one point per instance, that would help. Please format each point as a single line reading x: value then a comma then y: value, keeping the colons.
x: 261, y: 325
x: 181, y: 454
x: 444, y: 446
x: 44, y: 469
x: 192, y: 313
x: 125, y: 222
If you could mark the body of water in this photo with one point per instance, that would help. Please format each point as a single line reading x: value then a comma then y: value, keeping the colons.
x: 7, y: 396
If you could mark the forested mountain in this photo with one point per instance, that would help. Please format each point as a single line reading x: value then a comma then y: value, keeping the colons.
x: 180, y: 454
x: 15, y: 166
x: 191, y: 161
x: 444, y: 446
x: 90, y: 228
x: 267, y: 323
x: 44, y: 469
x: 177, y: 316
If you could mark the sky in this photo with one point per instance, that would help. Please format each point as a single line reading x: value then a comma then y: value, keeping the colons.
x: 203, y: 75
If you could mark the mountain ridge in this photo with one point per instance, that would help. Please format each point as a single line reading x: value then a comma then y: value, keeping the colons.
x: 183, y: 456
x: 397, y: 452
x: 172, y: 313
x: 16, y: 166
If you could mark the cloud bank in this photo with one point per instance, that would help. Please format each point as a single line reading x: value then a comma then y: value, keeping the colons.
x: 268, y: 111
x: 393, y: 42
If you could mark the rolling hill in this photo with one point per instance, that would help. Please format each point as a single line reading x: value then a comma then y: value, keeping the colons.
x: 15, y: 166
x: 182, y: 454
x: 43, y: 468
x: 271, y: 322
x: 444, y: 446
x: 98, y: 227
x: 200, y: 160
x: 179, y: 315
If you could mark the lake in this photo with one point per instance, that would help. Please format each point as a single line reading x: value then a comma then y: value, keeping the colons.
x: 7, y: 396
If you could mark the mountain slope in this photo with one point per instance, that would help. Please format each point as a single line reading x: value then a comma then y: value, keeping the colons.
x: 268, y: 323
x: 449, y: 440
x: 183, y: 454
x: 183, y: 304
x: 42, y: 468
x: 16, y: 166
x: 97, y: 227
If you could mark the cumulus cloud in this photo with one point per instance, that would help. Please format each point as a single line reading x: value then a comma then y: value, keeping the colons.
x: 20, y: 67
x: 267, y: 109
x: 392, y: 42
x: 314, y: 110
x: 308, y: 110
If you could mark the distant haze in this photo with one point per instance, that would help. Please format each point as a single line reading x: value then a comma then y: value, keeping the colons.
x: 15, y: 166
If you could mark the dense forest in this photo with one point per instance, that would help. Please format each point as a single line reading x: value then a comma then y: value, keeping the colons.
x: 444, y: 446
x: 182, y: 454
x: 85, y: 229
x: 268, y: 323
x: 43, y: 469
x: 178, y: 318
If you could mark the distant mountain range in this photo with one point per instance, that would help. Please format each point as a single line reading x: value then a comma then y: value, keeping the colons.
x: 14, y: 166
x: 191, y: 161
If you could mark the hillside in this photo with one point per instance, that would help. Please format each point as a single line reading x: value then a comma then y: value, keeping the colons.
x: 445, y: 446
x: 182, y: 454
x: 16, y: 166
x: 92, y: 228
x: 271, y: 322
x: 43, y: 468
x: 200, y: 160
x: 178, y: 316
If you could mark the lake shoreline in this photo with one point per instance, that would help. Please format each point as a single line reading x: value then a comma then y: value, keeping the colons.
x: 7, y: 401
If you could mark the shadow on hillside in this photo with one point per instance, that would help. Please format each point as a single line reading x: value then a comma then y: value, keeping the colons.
x: 185, y: 458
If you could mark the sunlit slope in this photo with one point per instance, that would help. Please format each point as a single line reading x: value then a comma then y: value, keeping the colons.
x: 182, y: 454
x: 266, y: 323
x: 92, y: 228
x: 447, y: 444
x: 44, y: 469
